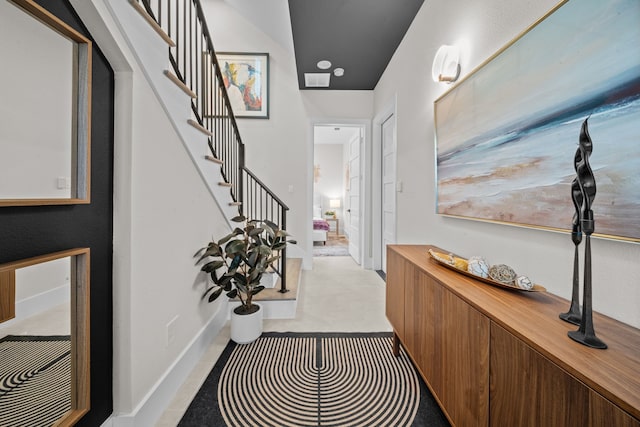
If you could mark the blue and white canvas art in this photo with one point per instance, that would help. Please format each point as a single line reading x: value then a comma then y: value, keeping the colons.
x: 506, y: 135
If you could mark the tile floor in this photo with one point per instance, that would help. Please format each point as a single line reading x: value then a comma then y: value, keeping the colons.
x: 336, y: 296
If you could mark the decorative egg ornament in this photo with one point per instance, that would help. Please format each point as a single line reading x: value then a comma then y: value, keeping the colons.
x: 523, y: 282
x: 502, y: 273
x: 478, y: 266
x: 461, y: 263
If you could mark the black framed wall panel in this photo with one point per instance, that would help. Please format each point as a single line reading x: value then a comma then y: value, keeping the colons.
x: 29, y: 231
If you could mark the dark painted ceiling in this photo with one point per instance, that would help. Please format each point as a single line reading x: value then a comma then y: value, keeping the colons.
x: 357, y: 35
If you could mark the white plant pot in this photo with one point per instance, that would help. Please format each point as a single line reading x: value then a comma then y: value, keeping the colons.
x: 246, y: 328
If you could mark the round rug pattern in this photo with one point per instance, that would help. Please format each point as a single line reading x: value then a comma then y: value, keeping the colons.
x: 35, y: 380
x: 307, y: 381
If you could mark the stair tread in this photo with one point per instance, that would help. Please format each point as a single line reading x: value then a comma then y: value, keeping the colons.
x: 199, y: 127
x: 294, y: 275
x: 180, y: 84
x: 137, y: 6
x: 213, y: 159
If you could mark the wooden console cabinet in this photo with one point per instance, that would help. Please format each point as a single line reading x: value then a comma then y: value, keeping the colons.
x: 494, y: 357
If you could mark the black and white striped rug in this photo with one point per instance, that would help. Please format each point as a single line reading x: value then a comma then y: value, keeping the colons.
x: 301, y: 379
x: 35, y: 379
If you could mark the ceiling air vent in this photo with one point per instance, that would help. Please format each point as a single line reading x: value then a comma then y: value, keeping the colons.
x: 317, y: 79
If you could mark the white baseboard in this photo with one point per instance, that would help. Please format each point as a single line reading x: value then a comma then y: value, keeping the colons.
x: 156, y: 401
x: 280, y: 309
x: 274, y: 309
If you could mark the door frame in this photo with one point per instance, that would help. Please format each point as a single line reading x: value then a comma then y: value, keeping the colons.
x: 374, y: 158
x: 364, y: 124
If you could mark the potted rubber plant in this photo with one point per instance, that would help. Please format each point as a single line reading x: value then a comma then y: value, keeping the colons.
x: 236, y: 263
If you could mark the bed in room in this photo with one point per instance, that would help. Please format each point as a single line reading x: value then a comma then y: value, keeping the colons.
x: 320, y: 226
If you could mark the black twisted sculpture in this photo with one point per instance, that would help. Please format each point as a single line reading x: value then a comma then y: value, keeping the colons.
x: 587, y: 184
x: 573, y: 315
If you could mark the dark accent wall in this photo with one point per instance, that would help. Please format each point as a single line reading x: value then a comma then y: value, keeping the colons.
x: 30, y: 231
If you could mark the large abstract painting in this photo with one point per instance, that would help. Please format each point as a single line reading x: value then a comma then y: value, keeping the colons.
x: 506, y: 135
x: 246, y: 78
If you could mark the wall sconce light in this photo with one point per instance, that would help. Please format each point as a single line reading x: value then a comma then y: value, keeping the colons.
x: 446, y: 64
x: 316, y: 173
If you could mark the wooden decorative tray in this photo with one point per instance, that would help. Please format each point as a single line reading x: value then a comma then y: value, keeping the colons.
x: 439, y: 260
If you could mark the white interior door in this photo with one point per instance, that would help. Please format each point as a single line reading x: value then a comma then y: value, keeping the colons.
x: 388, y: 186
x: 353, y: 197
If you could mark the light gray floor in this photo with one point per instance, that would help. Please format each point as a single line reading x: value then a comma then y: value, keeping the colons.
x: 54, y: 321
x: 336, y: 296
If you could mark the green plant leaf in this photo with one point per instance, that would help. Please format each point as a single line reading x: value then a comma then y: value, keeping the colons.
x: 253, y: 258
x: 211, y: 266
x: 264, y: 250
x: 271, y: 224
x: 208, y: 290
x: 200, y: 251
x: 225, y: 239
x: 279, y: 246
x: 235, y: 247
x: 215, y: 295
x: 270, y: 232
x: 256, y: 231
x: 213, y: 250
x: 273, y: 259
x: 228, y: 286
x: 256, y: 281
x: 235, y: 263
x: 232, y: 294
x: 240, y: 279
x: 224, y: 281
x: 214, y: 277
x: 257, y: 290
x: 239, y: 218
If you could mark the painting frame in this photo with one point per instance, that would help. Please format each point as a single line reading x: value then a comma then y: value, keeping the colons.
x: 246, y: 103
x: 533, y: 91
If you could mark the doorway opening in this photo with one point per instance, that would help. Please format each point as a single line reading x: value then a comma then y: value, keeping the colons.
x: 337, y: 166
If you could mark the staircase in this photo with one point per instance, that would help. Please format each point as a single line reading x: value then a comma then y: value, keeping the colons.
x: 210, y: 131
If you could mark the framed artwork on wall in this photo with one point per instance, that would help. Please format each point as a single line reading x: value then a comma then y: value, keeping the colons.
x: 246, y: 78
x: 506, y: 134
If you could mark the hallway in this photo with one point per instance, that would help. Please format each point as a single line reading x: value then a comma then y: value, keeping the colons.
x: 333, y: 246
x: 336, y: 296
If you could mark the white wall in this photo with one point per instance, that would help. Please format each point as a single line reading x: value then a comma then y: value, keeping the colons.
x: 36, y: 118
x: 285, y: 140
x: 42, y: 278
x: 321, y: 105
x: 480, y: 29
x: 42, y: 287
x: 172, y: 215
x: 163, y: 213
